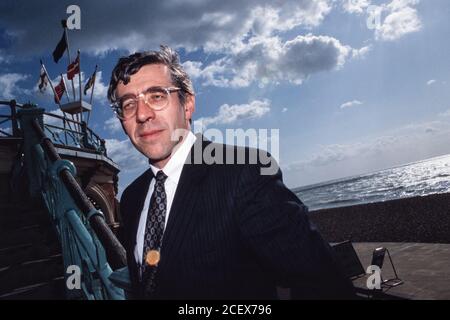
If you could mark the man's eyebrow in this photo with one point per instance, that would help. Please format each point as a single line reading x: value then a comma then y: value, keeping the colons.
x: 155, y: 88
x: 130, y: 94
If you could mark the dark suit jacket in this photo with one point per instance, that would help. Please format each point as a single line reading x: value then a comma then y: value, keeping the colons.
x: 233, y: 233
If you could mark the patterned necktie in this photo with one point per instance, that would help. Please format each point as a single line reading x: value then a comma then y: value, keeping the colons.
x: 154, y: 230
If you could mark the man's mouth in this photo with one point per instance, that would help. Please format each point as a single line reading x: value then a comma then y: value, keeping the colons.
x: 150, y: 133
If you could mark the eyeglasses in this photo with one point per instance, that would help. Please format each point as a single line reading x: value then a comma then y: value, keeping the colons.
x: 156, y: 98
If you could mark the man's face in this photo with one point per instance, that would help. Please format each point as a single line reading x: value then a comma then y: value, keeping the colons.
x: 151, y: 131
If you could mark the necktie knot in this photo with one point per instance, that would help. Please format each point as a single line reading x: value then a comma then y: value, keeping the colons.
x: 160, y: 177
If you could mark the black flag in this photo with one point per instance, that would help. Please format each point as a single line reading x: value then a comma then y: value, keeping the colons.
x: 60, y: 48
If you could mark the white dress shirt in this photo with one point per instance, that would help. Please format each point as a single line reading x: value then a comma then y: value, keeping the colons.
x: 173, y: 170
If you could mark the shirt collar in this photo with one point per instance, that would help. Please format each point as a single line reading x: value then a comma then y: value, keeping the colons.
x: 175, y: 164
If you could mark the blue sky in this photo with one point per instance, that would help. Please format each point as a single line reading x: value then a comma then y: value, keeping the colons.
x: 353, y: 86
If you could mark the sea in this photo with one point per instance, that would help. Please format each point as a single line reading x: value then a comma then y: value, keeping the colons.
x: 422, y: 178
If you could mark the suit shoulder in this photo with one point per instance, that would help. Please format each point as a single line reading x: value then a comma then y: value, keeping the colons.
x: 218, y: 153
x: 137, y: 184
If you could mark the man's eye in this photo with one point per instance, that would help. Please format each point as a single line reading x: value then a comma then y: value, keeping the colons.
x: 157, y: 96
x: 130, y: 104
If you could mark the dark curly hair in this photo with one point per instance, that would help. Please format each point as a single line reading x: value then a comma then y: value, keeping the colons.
x: 127, y: 66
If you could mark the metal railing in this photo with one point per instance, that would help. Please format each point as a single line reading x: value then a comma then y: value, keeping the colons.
x: 60, y: 129
x: 11, y: 117
x: 86, y: 240
x: 68, y: 132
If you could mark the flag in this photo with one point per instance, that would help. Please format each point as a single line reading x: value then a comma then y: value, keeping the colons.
x: 43, y: 82
x: 60, y: 48
x: 90, y: 82
x: 59, y: 90
x: 73, y: 68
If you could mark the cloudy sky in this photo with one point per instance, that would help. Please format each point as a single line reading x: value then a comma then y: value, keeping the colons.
x: 353, y: 86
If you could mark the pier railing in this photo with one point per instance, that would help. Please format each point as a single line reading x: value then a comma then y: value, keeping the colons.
x: 9, y: 118
x: 64, y: 131
x: 88, y: 244
x: 60, y: 129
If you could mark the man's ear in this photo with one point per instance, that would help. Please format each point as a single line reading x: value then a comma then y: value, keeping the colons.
x: 189, y: 106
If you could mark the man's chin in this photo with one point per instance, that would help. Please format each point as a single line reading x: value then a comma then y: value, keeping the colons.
x: 156, y: 156
x: 157, y: 152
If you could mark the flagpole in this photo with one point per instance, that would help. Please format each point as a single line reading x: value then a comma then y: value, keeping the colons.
x: 92, y: 92
x: 79, y: 83
x: 93, y: 85
x: 50, y: 81
x: 64, y: 24
x: 54, y: 93
x: 67, y: 94
x: 65, y: 88
x: 79, y: 74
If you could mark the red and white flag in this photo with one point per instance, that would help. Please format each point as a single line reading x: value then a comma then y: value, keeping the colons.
x: 73, y: 68
x: 59, y: 90
x: 43, y: 81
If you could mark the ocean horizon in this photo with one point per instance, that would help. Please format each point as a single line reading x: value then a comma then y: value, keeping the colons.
x: 420, y: 178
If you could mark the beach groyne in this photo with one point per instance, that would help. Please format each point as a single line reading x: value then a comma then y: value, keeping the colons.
x: 418, y: 219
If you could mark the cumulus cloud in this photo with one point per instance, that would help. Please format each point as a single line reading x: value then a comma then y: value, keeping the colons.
x: 351, y: 104
x: 10, y: 87
x: 4, y: 58
x: 401, y: 19
x: 355, y: 6
x: 193, y: 68
x: 390, y: 21
x: 212, y: 25
x: 113, y: 125
x: 246, y: 39
x: 53, y: 120
x: 269, y: 59
x: 230, y: 114
x: 361, y: 53
x: 125, y: 155
x: 100, y: 88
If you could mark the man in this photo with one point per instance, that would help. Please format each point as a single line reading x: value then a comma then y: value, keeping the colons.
x: 197, y: 229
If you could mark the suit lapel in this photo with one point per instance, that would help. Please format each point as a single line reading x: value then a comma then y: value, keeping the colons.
x: 134, y: 206
x: 138, y: 205
x: 181, y: 214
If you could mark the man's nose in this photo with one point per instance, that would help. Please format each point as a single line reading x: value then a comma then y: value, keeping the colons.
x: 143, y: 111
